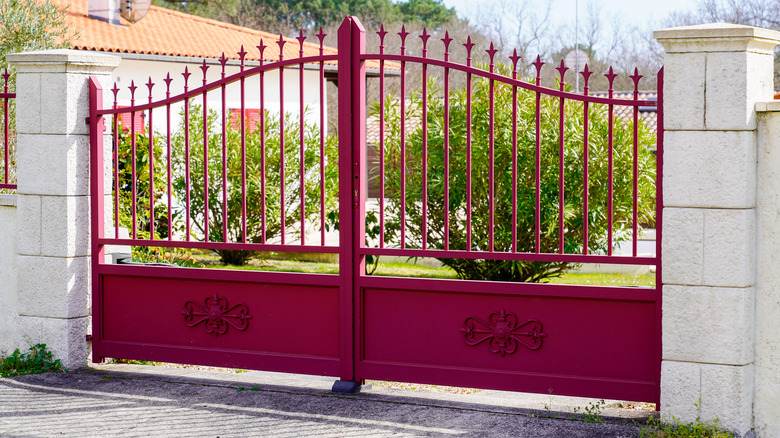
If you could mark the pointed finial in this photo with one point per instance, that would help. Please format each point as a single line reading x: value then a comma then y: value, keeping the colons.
x: 538, y: 65
x: 150, y: 85
x: 300, y: 39
x: 132, y: 88
x: 424, y: 37
x: 167, y: 81
x: 446, y: 40
x: 115, y: 90
x: 223, y: 60
x: 321, y: 36
x: 491, y: 53
x: 562, y: 70
x: 586, y: 76
x: 204, y: 67
x: 403, y: 34
x: 515, y: 58
x: 186, y: 75
x: 261, y: 47
x: 382, y: 32
x: 281, y: 42
x: 468, y: 45
x: 242, y: 55
x: 636, y: 77
x: 610, y: 77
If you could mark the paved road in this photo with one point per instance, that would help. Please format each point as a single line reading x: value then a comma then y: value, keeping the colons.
x: 134, y: 400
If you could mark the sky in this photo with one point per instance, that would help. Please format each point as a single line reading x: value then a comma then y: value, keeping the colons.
x: 635, y: 11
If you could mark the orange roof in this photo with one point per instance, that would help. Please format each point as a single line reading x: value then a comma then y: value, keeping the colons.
x: 166, y: 32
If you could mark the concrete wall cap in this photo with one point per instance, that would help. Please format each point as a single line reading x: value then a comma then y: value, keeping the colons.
x: 7, y: 200
x: 718, y: 37
x: 54, y: 60
x: 771, y: 106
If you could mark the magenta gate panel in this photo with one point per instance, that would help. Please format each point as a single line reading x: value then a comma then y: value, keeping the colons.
x: 264, y: 317
x: 521, y: 337
x: 277, y: 181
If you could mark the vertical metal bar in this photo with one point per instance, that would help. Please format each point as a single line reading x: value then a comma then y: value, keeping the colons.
x: 659, y: 206
x: 151, y: 165
x: 585, y: 162
x: 262, y: 149
x: 403, y: 35
x: 133, y: 176
x: 168, y: 154
x: 351, y: 72
x: 561, y: 157
x: 262, y: 48
x: 538, y: 164
x: 382, y: 34
x: 610, y: 160
x: 187, y: 157
x: 469, y: 45
x: 283, y: 178
x: 635, y: 175
x: 115, y: 144
x: 205, y: 156
x: 321, y: 37
x: 515, y: 58
x: 6, y: 154
x: 446, y: 40
x: 424, y: 224
x: 302, y: 158
x: 242, y: 120
x: 97, y: 209
x: 224, y: 154
x: 492, y: 153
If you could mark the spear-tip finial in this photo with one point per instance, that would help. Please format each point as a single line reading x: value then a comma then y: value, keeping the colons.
x: 562, y: 70
x: 241, y: 56
x: 636, y: 77
x: 610, y: 76
x: 514, y: 58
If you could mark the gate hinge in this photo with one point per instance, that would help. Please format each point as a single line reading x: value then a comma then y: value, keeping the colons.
x: 86, y: 120
x: 89, y: 338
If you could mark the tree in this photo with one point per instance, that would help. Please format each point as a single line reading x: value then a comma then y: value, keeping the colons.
x: 758, y: 13
x: 26, y: 25
x: 573, y: 213
x: 285, y: 16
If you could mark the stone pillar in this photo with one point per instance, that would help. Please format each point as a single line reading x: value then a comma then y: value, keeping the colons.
x: 766, y: 404
x: 713, y: 76
x: 53, y: 203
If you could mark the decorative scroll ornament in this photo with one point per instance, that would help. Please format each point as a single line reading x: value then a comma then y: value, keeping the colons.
x: 216, y: 315
x: 503, y: 332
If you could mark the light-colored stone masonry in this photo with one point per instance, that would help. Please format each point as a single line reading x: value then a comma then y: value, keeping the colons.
x: 717, y: 313
x: 53, y: 240
x: 721, y: 235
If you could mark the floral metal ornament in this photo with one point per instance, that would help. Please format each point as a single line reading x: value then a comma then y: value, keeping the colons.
x: 216, y: 315
x: 503, y: 332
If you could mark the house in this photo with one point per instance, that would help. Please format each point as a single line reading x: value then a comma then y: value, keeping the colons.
x: 168, y: 42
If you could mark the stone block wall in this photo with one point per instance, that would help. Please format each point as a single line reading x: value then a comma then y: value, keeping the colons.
x: 715, y: 75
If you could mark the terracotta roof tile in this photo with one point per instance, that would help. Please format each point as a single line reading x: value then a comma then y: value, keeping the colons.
x: 167, y: 32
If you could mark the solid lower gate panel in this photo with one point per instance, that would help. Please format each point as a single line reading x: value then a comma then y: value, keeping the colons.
x: 253, y: 320
x: 562, y: 340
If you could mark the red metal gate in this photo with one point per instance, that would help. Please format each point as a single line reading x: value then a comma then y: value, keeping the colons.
x: 535, y: 337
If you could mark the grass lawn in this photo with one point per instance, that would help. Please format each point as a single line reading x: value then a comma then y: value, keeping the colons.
x: 422, y: 271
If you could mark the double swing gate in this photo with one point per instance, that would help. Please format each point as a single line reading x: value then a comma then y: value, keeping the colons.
x: 497, y: 177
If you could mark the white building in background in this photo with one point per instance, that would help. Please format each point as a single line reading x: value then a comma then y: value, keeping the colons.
x: 165, y: 42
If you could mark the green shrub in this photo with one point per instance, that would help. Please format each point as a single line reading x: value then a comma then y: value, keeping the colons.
x: 272, y: 150
x: 521, y: 271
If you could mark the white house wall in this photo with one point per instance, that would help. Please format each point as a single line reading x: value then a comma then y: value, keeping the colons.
x: 139, y: 72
